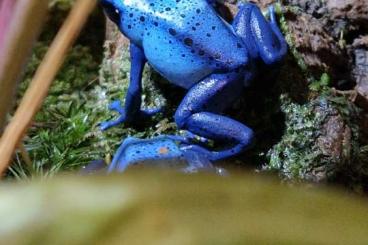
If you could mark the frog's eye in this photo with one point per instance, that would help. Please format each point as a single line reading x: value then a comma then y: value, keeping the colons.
x: 112, y: 12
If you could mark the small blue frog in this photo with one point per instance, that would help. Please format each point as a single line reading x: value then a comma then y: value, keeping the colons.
x: 190, y: 45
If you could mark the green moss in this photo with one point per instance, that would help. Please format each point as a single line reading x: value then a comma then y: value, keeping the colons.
x: 296, y: 154
x: 288, y: 36
x: 320, y: 86
x: 58, y: 139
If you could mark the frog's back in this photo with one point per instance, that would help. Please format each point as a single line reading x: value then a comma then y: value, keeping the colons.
x: 184, y: 40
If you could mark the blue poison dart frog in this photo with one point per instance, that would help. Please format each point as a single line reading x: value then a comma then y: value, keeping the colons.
x: 190, y: 45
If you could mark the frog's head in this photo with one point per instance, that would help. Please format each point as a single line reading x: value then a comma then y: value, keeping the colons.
x: 113, y: 9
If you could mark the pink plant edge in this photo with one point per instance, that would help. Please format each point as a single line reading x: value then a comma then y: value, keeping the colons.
x: 6, y: 12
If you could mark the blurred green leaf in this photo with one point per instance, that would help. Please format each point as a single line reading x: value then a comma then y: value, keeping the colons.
x: 147, y: 208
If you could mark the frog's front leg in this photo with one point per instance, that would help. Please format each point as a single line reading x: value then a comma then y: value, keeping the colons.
x: 263, y: 38
x: 133, y: 100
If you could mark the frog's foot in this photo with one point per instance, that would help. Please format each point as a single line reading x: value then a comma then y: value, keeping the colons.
x: 127, y: 117
x: 166, y: 151
x: 190, y: 137
x: 147, y: 113
x: 93, y: 167
x: 114, y: 106
x: 199, y: 161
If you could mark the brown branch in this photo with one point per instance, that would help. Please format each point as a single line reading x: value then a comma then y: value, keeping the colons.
x: 42, y: 80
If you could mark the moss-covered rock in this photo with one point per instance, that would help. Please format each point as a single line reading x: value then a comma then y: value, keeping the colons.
x: 321, y: 143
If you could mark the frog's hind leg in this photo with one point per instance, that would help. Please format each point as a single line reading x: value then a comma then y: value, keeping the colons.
x: 199, y: 113
x: 263, y: 38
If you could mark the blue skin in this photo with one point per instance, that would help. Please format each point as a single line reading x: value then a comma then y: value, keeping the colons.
x: 192, y: 47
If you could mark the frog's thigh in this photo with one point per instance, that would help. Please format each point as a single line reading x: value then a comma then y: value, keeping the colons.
x: 200, y: 110
x: 173, y: 60
x: 213, y: 94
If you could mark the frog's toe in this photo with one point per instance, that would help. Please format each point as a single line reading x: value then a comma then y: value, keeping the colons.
x: 93, y: 167
x: 116, y: 106
x: 105, y: 125
x: 196, y: 138
x: 197, y: 160
x: 272, y: 14
x: 151, y: 112
x: 216, y: 170
x: 109, y: 124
